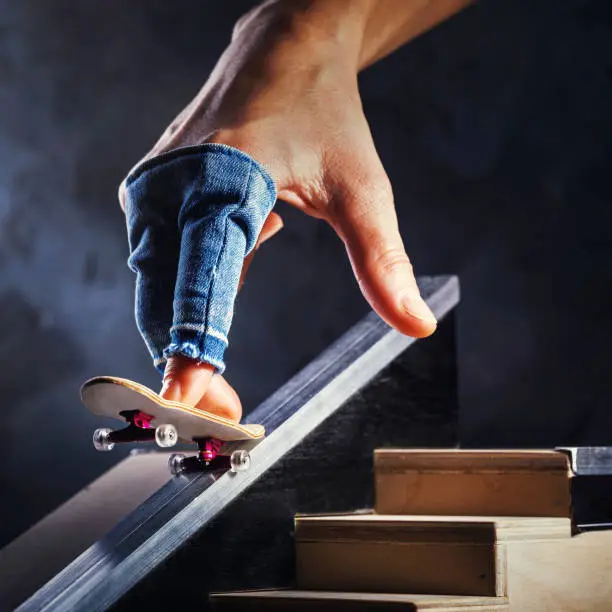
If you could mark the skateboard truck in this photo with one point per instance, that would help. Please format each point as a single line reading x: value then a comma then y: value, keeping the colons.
x: 139, y: 429
x: 208, y: 459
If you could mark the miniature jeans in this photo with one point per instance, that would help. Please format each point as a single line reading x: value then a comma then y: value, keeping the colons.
x: 193, y: 214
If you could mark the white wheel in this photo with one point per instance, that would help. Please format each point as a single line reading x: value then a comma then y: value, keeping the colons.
x: 175, y: 463
x: 166, y: 436
x: 101, y: 440
x: 240, y: 461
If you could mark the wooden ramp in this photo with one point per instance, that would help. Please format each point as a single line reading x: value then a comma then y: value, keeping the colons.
x: 510, y: 544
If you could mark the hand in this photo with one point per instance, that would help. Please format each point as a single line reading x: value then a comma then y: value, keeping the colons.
x: 285, y: 92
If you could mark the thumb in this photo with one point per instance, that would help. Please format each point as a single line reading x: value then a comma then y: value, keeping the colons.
x: 272, y: 225
x: 367, y: 224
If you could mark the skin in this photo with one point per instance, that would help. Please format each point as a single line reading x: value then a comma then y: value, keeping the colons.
x: 285, y: 92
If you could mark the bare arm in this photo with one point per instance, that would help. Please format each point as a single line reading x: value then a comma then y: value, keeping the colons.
x: 371, y: 28
x: 392, y: 23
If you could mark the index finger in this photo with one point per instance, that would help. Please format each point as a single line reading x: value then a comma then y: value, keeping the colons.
x: 186, y: 380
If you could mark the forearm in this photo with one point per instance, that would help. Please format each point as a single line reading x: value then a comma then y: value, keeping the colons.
x: 364, y: 30
x: 392, y: 23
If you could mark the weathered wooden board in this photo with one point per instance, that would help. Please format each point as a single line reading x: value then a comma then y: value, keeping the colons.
x: 472, y: 482
x: 413, y: 554
x: 305, y: 601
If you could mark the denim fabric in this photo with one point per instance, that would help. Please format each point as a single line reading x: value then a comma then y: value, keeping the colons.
x: 192, y: 216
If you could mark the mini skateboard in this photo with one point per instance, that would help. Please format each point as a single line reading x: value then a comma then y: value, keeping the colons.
x: 149, y: 417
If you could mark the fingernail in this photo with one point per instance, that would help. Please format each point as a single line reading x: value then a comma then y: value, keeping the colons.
x: 415, y: 306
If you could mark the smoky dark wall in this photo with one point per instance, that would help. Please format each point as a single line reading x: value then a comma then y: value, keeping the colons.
x: 495, y: 130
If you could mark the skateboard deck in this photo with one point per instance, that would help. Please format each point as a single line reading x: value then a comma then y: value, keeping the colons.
x: 114, y: 397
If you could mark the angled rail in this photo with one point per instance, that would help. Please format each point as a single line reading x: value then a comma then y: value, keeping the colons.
x: 111, y: 567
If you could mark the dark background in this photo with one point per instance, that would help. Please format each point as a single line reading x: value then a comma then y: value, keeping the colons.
x: 495, y: 129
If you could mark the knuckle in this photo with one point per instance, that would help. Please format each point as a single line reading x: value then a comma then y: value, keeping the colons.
x: 367, y: 195
x: 239, y: 25
x: 373, y: 181
x: 380, y: 188
x: 392, y: 260
x: 245, y: 19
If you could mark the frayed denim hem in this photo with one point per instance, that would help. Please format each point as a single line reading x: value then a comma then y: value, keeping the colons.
x: 209, y: 351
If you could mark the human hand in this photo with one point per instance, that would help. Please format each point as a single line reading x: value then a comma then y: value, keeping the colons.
x: 285, y: 92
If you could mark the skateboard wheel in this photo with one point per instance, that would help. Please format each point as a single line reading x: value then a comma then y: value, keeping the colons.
x: 166, y: 436
x: 176, y: 463
x: 240, y: 461
x: 101, y: 439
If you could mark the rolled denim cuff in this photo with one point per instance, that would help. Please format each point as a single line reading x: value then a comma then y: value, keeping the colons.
x: 193, y: 215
